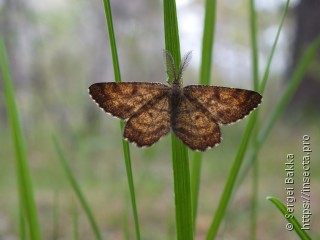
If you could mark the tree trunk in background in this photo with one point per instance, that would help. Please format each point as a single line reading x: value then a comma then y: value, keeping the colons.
x: 307, y: 16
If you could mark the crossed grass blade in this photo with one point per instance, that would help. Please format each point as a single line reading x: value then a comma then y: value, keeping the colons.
x: 231, y: 181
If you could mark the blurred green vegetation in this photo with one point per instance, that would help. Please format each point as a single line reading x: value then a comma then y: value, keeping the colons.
x: 101, y: 174
x: 55, y: 53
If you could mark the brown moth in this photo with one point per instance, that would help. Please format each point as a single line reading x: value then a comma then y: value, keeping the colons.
x: 194, y: 112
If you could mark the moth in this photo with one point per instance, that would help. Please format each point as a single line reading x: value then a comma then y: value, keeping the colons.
x: 194, y: 113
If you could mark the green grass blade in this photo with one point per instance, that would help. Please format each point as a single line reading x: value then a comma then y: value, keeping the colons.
x: 195, y: 183
x: 112, y: 40
x: 208, y: 41
x: 55, y: 234
x: 127, y: 157
x: 26, y: 194
x: 275, y: 43
x: 255, y: 80
x: 126, y: 224
x: 254, y: 200
x: 125, y: 145
x: 180, y: 160
x: 225, y: 198
x: 205, y: 76
x: 296, y: 225
x: 262, y: 87
x: 295, y: 81
x: 254, y: 47
x: 75, y: 186
x: 240, y: 154
x: 172, y: 42
x: 22, y: 224
x: 75, y: 221
x: 182, y: 192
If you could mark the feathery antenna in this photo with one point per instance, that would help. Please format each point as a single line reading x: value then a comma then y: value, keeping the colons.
x: 184, y: 64
x: 170, y: 66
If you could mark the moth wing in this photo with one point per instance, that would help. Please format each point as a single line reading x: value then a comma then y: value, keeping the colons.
x: 195, y: 126
x: 150, y: 123
x: 226, y: 105
x: 125, y: 99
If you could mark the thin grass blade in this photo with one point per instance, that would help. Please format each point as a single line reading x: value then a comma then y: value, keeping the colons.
x: 225, y: 198
x: 76, y: 187
x: 254, y: 45
x: 292, y: 221
x: 255, y: 81
x: 55, y: 233
x: 75, y: 220
x: 195, y: 183
x: 26, y: 193
x: 262, y: 87
x: 273, y: 49
x: 125, y: 144
x: 294, y: 83
x: 208, y: 41
x: 205, y: 76
x: 240, y: 154
x: 296, y: 79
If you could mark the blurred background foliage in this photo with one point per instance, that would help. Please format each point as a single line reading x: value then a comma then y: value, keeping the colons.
x: 58, y: 48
